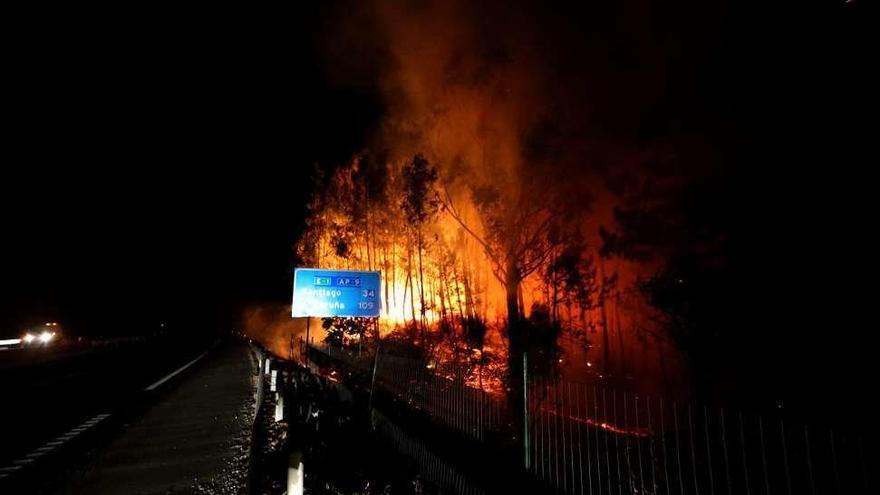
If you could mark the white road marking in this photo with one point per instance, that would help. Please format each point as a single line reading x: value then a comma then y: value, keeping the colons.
x: 176, y: 372
x: 38, y: 452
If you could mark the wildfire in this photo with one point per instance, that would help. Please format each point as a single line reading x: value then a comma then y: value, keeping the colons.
x: 471, y: 206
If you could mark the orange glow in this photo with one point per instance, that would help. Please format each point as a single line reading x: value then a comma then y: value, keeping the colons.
x: 476, y: 116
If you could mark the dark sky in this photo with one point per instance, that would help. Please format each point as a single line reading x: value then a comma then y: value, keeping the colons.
x: 155, y: 163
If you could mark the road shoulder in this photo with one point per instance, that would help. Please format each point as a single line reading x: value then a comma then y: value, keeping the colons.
x: 195, y: 439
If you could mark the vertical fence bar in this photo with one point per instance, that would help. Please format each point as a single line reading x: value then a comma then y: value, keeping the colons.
x: 481, y: 407
x: 536, y: 421
x: 724, y: 451
x: 456, y: 399
x: 605, y: 430
x: 663, y: 444
x: 538, y: 425
x: 862, y: 465
x: 627, y: 453
x: 536, y: 413
x: 469, y: 400
x: 466, y: 396
x: 545, y: 429
x: 573, y: 422
x: 475, y: 418
x: 580, y: 440
x: 693, y: 450
x: 525, y: 378
x: 809, y: 461
x: 456, y: 419
x: 678, y: 448
x: 785, y: 456
x: 548, y: 457
x: 564, y: 421
x: 548, y: 439
x: 639, y: 446
x: 589, y: 454
x: 616, y: 440
x: 708, y: 450
x: 463, y: 399
x: 652, y: 438
x: 834, y: 463
x: 480, y: 399
x: 556, y: 433
x: 763, y: 454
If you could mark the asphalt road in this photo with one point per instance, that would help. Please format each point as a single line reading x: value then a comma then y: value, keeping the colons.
x: 52, y: 395
x: 195, y: 439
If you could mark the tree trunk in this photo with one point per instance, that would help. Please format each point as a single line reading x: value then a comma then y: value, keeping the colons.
x: 470, y: 310
x: 622, y: 364
x: 421, y: 280
x: 516, y: 347
x: 603, y: 315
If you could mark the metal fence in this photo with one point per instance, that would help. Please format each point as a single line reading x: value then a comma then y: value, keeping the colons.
x: 437, y: 473
x: 591, y: 440
x: 586, y: 439
x: 446, y: 398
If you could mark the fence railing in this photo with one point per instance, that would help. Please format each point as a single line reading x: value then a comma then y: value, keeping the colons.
x: 591, y: 440
x: 586, y: 439
x: 446, y: 398
x: 438, y: 473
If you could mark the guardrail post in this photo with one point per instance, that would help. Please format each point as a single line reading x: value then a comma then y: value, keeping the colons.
x: 279, y: 406
x: 295, y: 474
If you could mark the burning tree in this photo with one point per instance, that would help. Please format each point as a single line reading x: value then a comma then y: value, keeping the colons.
x: 521, y: 231
x: 480, y: 197
x: 440, y: 239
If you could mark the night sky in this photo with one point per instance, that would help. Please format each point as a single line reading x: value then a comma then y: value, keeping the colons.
x: 156, y: 164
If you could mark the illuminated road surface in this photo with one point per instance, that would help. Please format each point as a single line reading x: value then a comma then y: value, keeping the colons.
x: 48, y: 391
x: 196, y: 437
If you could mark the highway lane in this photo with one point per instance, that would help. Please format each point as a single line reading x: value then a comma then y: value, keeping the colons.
x: 194, y: 438
x: 49, y: 392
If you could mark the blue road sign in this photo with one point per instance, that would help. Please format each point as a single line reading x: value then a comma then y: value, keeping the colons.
x: 319, y: 292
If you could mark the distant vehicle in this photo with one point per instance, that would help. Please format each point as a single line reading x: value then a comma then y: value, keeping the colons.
x: 41, y: 335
